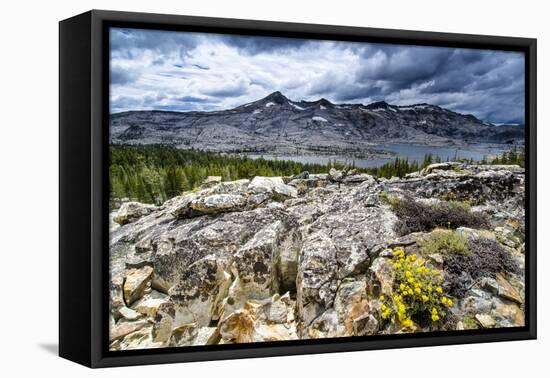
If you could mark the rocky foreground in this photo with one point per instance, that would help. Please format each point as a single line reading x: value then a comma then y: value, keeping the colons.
x: 316, y: 256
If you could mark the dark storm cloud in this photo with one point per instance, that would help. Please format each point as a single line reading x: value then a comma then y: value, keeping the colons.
x: 121, y: 76
x: 193, y: 99
x: 256, y: 45
x: 132, y: 42
x: 197, y: 71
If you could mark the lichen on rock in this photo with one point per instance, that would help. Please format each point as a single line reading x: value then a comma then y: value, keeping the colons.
x: 310, y: 256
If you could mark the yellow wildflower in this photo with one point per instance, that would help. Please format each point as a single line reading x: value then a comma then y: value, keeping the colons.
x: 435, y: 318
x: 439, y: 289
x: 425, y: 298
x: 407, y: 323
x: 417, y: 290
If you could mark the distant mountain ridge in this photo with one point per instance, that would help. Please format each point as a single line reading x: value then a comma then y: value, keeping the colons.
x: 276, y: 124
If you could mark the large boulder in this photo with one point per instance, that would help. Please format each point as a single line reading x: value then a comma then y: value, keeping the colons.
x: 199, y: 291
x: 221, y: 235
x: 272, y: 319
x: 218, y: 203
x: 350, y: 314
x: 132, y: 211
x: 267, y: 263
x: 136, y: 283
x: 274, y: 186
x: 316, y: 280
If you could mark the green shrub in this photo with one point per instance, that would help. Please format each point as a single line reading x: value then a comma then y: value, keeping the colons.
x: 444, y: 242
x: 465, y: 204
x: 391, y: 200
x: 414, y: 216
x: 470, y: 322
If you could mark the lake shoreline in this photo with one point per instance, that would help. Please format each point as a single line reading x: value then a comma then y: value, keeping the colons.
x: 381, y: 154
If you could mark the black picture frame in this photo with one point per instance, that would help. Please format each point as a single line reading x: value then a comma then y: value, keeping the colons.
x: 84, y: 191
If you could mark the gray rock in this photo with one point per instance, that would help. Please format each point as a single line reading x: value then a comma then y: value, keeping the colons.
x: 132, y: 211
x: 136, y: 283
x: 129, y: 314
x: 211, y: 181
x: 302, y: 175
x: 439, y: 166
x: 335, y: 175
x: 222, y: 256
x: 150, y: 303
x: 474, y: 305
x: 316, y: 270
x: 365, y: 325
x: 164, y: 321
x: 272, y: 185
x: 363, y: 177
x: 218, y: 203
x: 486, y: 321
x: 181, y: 206
x: 254, y: 264
x: 202, y: 287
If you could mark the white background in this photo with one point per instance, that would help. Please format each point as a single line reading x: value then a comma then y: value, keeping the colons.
x: 29, y: 185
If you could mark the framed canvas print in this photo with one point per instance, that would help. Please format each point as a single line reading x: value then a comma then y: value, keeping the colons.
x: 233, y: 188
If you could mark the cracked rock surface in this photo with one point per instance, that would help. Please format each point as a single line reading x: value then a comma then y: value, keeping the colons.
x: 282, y: 258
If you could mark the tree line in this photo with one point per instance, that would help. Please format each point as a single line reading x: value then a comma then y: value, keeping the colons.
x: 514, y: 157
x: 154, y: 174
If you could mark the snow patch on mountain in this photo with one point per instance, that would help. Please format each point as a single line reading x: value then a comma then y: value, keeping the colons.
x: 295, y: 106
x: 319, y: 119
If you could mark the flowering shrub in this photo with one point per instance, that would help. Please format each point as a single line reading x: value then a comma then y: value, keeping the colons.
x: 417, y: 292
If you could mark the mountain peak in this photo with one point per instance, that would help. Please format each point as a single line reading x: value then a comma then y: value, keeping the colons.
x: 323, y: 101
x: 378, y: 105
x: 276, y: 97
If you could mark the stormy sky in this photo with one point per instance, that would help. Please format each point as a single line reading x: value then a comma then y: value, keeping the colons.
x: 183, y: 71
